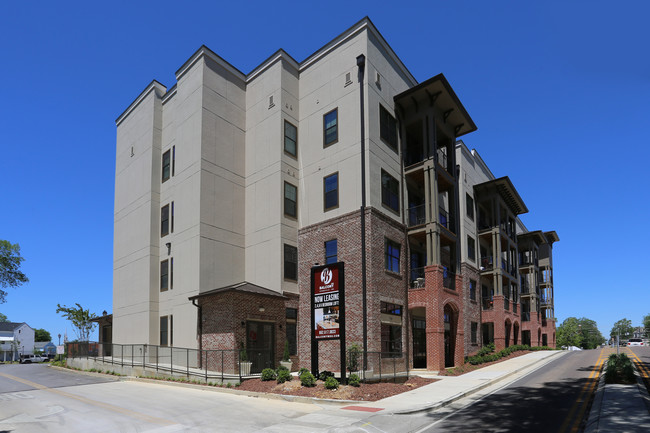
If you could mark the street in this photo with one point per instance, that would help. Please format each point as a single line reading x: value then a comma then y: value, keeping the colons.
x: 36, y: 398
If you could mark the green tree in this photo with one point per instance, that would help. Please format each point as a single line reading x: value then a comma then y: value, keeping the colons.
x: 591, y: 336
x: 80, y: 318
x: 10, y: 274
x: 3, y: 318
x: 623, y: 328
x: 42, y: 335
x: 568, y: 333
x: 646, y: 325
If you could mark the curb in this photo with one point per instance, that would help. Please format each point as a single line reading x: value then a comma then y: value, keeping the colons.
x: 441, y: 404
x: 89, y: 373
x: 593, y: 420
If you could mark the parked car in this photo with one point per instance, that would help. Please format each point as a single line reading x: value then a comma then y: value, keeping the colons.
x: 30, y: 359
x: 635, y: 342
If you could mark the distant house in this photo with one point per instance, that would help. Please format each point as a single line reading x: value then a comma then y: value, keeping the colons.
x: 15, y: 339
x: 46, y: 347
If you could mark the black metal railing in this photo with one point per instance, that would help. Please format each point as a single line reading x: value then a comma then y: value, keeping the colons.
x: 417, y: 215
x: 487, y: 263
x: 417, y: 278
x: 441, y: 157
x: 488, y: 303
x: 525, y: 316
x: 448, y: 280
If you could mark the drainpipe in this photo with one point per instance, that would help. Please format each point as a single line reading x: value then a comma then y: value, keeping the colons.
x: 361, y: 64
x: 200, y: 327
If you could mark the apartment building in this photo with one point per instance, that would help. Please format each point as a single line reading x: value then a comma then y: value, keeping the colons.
x: 230, y: 187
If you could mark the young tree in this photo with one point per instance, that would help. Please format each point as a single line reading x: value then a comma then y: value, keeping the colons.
x: 591, y: 336
x: 10, y: 274
x: 3, y: 318
x: 623, y: 328
x: 42, y: 335
x: 568, y: 333
x: 80, y: 318
x: 646, y: 325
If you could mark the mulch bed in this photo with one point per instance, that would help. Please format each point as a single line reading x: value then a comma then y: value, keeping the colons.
x: 365, y: 392
x: 467, y: 367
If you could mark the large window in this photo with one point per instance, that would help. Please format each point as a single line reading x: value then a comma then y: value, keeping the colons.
x: 474, y: 332
x: 391, y: 340
x: 290, y: 200
x: 469, y: 204
x: 387, y: 128
x: 472, y: 290
x: 331, y: 251
x: 164, y: 275
x: 290, y: 139
x: 390, y: 308
x: 392, y: 250
x: 292, y: 336
x: 331, y: 191
x: 330, y: 127
x: 167, y: 330
x: 290, y: 262
x: 166, y: 165
x: 164, y: 220
x: 389, y: 191
x: 471, y: 248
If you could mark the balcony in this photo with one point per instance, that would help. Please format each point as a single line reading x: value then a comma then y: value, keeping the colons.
x: 525, y: 316
x: 525, y: 260
x: 417, y: 215
x: 524, y: 286
x: 448, y: 279
x: 506, y: 304
x: 412, y: 157
x: 514, y: 307
x: 441, y: 157
x: 487, y: 263
x: 487, y: 303
x: 484, y: 225
x: 445, y: 220
x: 417, y: 278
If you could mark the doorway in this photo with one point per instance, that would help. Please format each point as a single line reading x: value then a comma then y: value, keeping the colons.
x: 419, y: 343
x: 260, y: 341
x: 450, y: 319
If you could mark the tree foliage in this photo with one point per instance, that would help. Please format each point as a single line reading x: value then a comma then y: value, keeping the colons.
x: 623, y: 328
x: 80, y: 318
x: 568, y: 333
x: 3, y: 318
x: 646, y: 325
x: 10, y: 274
x: 42, y: 335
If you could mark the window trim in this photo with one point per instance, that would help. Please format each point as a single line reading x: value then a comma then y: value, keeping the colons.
x: 168, y: 165
x: 336, y: 255
x: 295, y: 142
x: 387, y: 190
x: 284, y: 262
x: 295, y: 203
x: 325, y: 208
x: 471, y: 242
x: 386, y: 140
x: 472, y: 298
x: 325, y: 143
x: 164, y: 263
x: 398, y: 246
x: 468, y: 207
x: 163, y: 210
x: 394, y: 346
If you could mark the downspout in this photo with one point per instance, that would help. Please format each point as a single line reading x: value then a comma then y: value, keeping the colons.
x: 361, y: 64
x: 404, y: 190
x: 199, y: 326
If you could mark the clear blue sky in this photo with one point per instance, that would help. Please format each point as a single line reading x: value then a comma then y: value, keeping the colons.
x: 559, y: 91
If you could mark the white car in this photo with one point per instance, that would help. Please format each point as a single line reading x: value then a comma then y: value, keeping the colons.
x: 635, y: 342
x: 29, y: 359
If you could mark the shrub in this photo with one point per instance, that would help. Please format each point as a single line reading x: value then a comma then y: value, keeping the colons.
x: 323, y: 375
x: 619, y: 369
x: 268, y: 374
x: 307, y: 379
x: 284, y: 376
x: 302, y: 370
x: 331, y: 383
x: 354, y: 380
x: 354, y: 353
x: 281, y: 367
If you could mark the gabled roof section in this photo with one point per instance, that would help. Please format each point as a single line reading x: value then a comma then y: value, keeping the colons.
x: 244, y: 286
x: 10, y: 326
x: 551, y: 237
x: 154, y: 85
x: 437, y: 91
x: 207, y: 52
x: 537, y: 236
x: 504, y: 187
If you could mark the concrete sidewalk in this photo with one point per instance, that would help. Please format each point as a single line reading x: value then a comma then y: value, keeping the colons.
x: 451, y: 388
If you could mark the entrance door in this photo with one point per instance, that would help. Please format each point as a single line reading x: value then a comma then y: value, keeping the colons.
x: 260, y: 341
x: 419, y: 343
x: 450, y: 336
x: 525, y: 338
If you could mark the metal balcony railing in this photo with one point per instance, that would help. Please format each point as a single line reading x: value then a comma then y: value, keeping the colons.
x: 417, y: 278
x: 417, y: 215
x: 441, y: 157
x: 487, y: 263
x: 487, y: 303
x: 506, y: 304
x: 525, y: 316
x: 443, y: 218
x: 448, y: 280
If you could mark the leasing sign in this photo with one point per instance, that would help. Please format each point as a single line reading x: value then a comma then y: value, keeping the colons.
x: 327, y: 299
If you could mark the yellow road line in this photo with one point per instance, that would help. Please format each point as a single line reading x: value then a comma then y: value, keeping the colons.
x: 587, y: 386
x: 110, y: 407
x: 643, y: 370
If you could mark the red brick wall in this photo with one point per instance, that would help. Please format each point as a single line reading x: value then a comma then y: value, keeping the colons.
x: 472, y: 308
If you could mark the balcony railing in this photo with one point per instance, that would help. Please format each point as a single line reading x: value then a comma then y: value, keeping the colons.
x: 443, y: 218
x: 441, y: 157
x: 514, y: 307
x: 412, y: 157
x: 487, y: 303
x: 525, y: 316
x: 417, y: 215
x: 448, y: 280
x: 506, y: 304
x: 527, y: 260
x: 524, y: 286
x: 487, y: 263
x: 417, y: 278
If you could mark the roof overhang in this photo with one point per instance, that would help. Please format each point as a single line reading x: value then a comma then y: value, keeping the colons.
x: 437, y: 91
x: 551, y: 237
x: 504, y: 187
x: 243, y: 287
x: 537, y: 236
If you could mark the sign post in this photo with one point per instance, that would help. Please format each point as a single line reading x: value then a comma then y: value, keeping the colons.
x: 328, y: 310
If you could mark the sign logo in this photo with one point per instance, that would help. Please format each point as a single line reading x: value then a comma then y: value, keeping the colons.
x: 326, y: 276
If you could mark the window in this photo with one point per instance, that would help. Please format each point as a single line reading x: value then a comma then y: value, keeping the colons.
x: 469, y: 204
x: 166, y: 164
x: 164, y: 275
x: 290, y: 200
x: 172, y: 219
x: 387, y: 128
x: 173, y: 160
x: 290, y: 139
x: 471, y: 248
x: 166, y: 336
x: 164, y: 220
x: 389, y: 191
x: 331, y: 191
x: 330, y: 127
x: 171, y: 273
x: 392, y: 250
x: 290, y: 262
x: 472, y: 290
x: 474, y: 333
x: 292, y: 316
x: 331, y: 251
x: 391, y: 341
x: 389, y: 308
